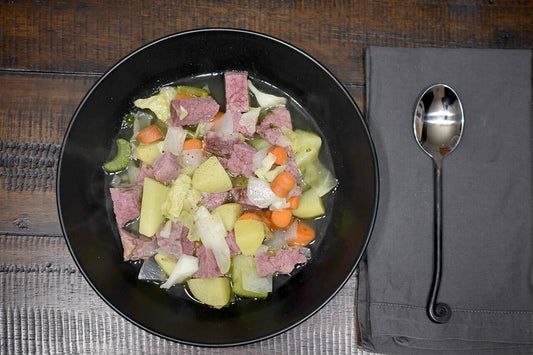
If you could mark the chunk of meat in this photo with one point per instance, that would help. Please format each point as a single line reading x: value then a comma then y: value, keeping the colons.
x: 207, y: 267
x: 232, y: 244
x: 137, y: 248
x: 191, y: 111
x: 236, y: 85
x: 270, y: 128
x: 145, y: 171
x: 241, y: 160
x: 177, y: 242
x: 166, y: 167
x: 220, y: 143
x: 126, y: 202
x: 283, y: 262
x: 213, y: 200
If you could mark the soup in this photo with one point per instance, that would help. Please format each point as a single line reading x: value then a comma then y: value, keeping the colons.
x: 221, y: 185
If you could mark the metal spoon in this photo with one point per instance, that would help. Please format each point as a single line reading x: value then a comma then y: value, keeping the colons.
x: 438, y: 127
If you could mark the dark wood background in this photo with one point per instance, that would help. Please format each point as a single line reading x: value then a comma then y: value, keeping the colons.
x: 51, y: 52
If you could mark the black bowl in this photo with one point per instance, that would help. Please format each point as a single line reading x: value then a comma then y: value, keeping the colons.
x: 84, y: 207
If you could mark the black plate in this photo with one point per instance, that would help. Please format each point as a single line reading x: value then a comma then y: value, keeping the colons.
x: 84, y: 209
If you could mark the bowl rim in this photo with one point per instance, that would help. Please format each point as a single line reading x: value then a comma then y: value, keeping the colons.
x: 236, y: 31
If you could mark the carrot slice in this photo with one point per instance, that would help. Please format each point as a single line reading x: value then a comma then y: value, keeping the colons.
x: 149, y: 134
x: 304, y: 235
x: 218, y: 115
x: 282, y: 184
x: 250, y: 215
x: 281, y: 218
x: 294, y: 202
x: 280, y: 153
x: 182, y: 95
x: 192, y: 143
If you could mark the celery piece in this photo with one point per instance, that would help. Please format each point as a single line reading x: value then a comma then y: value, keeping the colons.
x: 244, y: 270
x: 122, y: 159
x: 191, y: 90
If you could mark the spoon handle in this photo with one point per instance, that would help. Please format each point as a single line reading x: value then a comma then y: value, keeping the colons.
x: 437, y: 312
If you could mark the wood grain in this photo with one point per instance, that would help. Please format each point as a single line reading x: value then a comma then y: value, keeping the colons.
x: 46, y: 306
x: 90, y: 36
x: 34, y: 114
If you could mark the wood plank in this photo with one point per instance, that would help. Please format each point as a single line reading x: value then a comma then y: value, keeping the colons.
x: 41, y: 106
x: 64, y: 36
x: 46, y: 306
x: 34, y: 114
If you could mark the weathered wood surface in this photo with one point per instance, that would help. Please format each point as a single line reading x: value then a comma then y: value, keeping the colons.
x: 51, y: 52
x: 47, y: 307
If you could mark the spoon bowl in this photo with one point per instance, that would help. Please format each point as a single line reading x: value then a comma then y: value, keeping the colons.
x: 438, y: 121
x: 438, y: 127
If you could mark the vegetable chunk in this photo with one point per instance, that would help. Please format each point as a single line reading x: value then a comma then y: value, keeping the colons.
x: 249, y: 234
x: 214, y: 292
x: 210, y: 176
x: 154, y: 194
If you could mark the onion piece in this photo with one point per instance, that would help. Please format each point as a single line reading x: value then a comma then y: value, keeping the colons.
x: 186, y: 266
x: 291, y: 232
x: 193, y: 157
x: 264, y: 99
x: 174, y: 140
x: 253, y: 283
x: 224, y: 124
x: 257, y: 160
x: 212, y: 233
x: 259, y: 192
x: 151, y: 271
x: 266, y: 164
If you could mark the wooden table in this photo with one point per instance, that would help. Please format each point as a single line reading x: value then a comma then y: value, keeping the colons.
x: 51, y: 52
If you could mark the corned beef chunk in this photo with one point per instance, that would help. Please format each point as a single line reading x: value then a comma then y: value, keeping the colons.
x: 241, y: 160
x: 240, y: 195
x: 166, y: 167
x: 137, y: 248
x: 232, y: 244
x: 126, y: 202
x: 270, y: 128
x: 145, y: 171
x: 187, y: 246
x: 236, y: 85
x: 177, y: 242
x: 213, y: 200
x: 220, y: 143
x: 207, y: 267
x: 283, y: 262
x: 193, y: 110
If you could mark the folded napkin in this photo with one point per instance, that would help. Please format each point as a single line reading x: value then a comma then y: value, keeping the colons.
x: 487, y: 274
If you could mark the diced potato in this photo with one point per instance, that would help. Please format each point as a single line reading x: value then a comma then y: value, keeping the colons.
x: 229, y: 212
x: 310, y: 205
x: 210, y: 176
x: 154, y: 194
x: 244, y: 267
x: 165, y: 262
x: 249, y: 235
x: 214, y: 292
x: 148, y: 152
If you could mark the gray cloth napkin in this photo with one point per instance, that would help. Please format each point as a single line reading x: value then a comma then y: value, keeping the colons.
x: 487, y: 276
